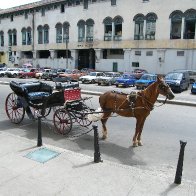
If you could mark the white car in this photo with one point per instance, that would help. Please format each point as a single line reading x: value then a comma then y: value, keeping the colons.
x: 91, y: 77
x: 2, y: 72
x: 108, y: 79
x: 13, y: 72
x: 40, y: 73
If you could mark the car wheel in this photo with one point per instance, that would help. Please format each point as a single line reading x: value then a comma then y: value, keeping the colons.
x: 93, y: 81
x: 99, y: 83
x: 109, y: 83
x: 14, y: 75
x: 116, y: 85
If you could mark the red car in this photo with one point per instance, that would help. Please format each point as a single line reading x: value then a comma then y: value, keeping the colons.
x: 28, y: 73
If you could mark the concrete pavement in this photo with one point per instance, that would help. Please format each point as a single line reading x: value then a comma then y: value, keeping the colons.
x: 74, y: 174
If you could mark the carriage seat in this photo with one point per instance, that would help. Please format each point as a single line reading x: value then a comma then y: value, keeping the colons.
x: 31, y: 90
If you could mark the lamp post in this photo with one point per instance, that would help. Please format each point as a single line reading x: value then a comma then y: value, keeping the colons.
x: 67, y: 52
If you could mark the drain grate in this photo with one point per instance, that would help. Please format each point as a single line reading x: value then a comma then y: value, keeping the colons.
x: 42, y: 155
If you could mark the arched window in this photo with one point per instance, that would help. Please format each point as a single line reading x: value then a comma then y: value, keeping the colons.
x: 89, y: 30
x: 14, y: 34
x: 1, y: 38
x: 139, y: 27
x: 28, y: 35
x: 151, y: 26
x: 66, y: 31
x: 176, y: 24
x: 9, y: 37
x: 118, y: 20
x: 189, y: 22
x: 107, y: 29
x: 46, y: 34
x: 58, y: 33
x: 81, y: 31
x: 40, y: 34
x: 24, y: 38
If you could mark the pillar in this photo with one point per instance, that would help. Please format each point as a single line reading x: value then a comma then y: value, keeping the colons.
x: 127, y: 60
x: 74, y: 59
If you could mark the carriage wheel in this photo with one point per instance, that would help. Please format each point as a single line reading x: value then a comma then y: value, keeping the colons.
x: 37, y: 112
x: 14, y: 108
x: 82, y: 118
x: 62, y: 121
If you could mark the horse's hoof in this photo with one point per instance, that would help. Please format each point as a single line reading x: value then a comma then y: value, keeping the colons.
x: 135, y: 144
x: 140, y: 143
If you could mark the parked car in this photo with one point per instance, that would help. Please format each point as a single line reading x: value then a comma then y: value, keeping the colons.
x: 91, y: 77
x: 109, y: 78
x: 2, y: 72
x: 193, y: 88
x: 53, y: 73
x: 192, y: 74
x: 178, y: 81
x: 73, y: 75
x: 145, y: 81
x: 41, y: 72
x: 28, y: 73
x: 13, y: 72
x: 126, y: 80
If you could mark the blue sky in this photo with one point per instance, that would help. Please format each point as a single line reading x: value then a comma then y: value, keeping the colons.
x: 12, y: 3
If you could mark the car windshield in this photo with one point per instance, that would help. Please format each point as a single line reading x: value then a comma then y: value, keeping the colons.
x: 109, y: 74
x: 92, y: 74
x: 173, y: 76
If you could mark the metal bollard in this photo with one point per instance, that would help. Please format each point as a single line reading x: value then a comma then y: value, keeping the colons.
x: 179, y: 169
x: 97, y: 157
x: 39, y: 135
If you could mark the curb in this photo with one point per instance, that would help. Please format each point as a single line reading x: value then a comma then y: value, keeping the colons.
x: 161, y: 100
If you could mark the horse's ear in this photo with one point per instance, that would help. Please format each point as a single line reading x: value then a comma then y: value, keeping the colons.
x: 159, y: 77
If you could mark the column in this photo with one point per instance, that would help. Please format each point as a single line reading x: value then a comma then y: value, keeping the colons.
x: 52, y: 54
x: 74, y: 59
x: 98, y: 55
x: 127, y: 60
x: 182, y: 29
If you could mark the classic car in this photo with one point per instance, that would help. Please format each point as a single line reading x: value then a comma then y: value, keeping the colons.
x: 126, y: 80
x: 28, y: 73
x: 145, y: 81
x: 109, y: 78
x: 73, y: 75
x: 91, y: 77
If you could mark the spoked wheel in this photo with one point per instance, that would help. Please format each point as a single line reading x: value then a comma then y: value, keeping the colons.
x: 82, y: 118
x: 14, y: 108
x: 37, y: 112
x: 62, y: 121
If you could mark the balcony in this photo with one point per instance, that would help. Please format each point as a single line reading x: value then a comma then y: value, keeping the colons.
x: 89, y: 39
x: 107, y: 38
x: 117, y: 37
x: 150, y: 36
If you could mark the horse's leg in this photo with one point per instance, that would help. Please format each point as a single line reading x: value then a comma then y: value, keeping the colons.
x: 138, y: 130
x: 104, y: 128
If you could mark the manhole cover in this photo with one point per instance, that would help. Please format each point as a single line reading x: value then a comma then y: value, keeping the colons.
x: 42, y: 155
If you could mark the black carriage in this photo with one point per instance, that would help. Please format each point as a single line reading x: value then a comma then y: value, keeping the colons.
x: 38, y: 99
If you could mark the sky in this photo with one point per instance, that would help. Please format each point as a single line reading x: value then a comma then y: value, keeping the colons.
x: 12, y: 3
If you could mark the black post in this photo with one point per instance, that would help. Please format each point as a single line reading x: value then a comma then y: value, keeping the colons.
x: 97, y: 157
x: 39, y: 135
x: 179, y: 169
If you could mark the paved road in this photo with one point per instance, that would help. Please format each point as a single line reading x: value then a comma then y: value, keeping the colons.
x: 184, y: 96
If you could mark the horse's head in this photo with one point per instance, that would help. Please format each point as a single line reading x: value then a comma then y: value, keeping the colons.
x: 164, y: 88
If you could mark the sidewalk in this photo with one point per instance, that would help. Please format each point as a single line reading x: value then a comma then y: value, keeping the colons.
x: 73, y: 174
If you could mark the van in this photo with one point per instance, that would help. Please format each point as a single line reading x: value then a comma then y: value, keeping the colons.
x: 178, y: 80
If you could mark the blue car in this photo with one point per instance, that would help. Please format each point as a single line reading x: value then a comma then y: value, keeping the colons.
x: 126, y: 80
x: 193, y: 89
x: 145, y: 81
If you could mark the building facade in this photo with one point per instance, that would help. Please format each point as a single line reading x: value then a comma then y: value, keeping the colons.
x: 108, y: 35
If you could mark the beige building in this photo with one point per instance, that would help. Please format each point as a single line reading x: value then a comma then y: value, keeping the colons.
x: 107, y: 35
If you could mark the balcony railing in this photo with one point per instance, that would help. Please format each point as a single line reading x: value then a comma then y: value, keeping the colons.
x: 150, y: 37
x: 107, y: 38
x: 189, y: 35
x: 175, y: 36
x: 117, y: 37
x: 138, y: 37
x: 89, y: 39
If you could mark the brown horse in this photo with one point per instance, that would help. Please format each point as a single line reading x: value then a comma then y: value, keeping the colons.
x: 140, y: 108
